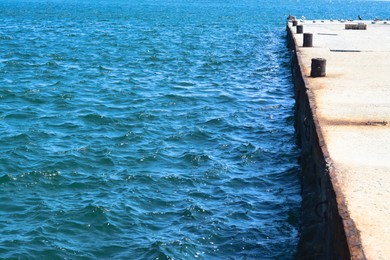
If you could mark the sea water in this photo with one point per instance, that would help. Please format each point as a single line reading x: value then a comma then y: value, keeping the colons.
x: 151, y: 129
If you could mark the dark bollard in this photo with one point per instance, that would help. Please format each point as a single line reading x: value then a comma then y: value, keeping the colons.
x: 318, y: 67
x: 295, y: 23
x: 307, y: 40
x: 299, y: 29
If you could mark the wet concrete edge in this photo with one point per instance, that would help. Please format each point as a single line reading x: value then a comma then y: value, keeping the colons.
x: 327, y: 230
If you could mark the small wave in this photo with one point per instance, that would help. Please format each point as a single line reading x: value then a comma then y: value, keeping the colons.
x: 97, y: 119
x: 16, y: 138
x: 185, y: 83
x: 7, y: 94
x: 180, y: 98
x: 155, y: 251
x: 195, y: 159
x: 6, y: 178
x: 52, y: 64
x: 19, y: 115
x: 177, y: 180
x: 93, y: 212
x: 5, y: 37
x: 199, y: 134
x: 38, y: 176
x: 140, y: 179
x: 219, y: 121
x: 102, y: 68
x: 13, y: 64
x: 194, y: 212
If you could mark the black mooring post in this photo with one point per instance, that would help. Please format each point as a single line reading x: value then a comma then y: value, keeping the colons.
x: 318, y: 67
x: 307, y: 40
x: 299, y: 29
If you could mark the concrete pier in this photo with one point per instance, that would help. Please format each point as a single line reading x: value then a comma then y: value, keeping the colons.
x: 343, y: 127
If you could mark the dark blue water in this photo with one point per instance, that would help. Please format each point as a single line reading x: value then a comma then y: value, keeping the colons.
x: 150, y: 129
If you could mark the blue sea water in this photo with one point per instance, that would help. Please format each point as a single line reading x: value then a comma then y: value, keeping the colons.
x: 151, y: 129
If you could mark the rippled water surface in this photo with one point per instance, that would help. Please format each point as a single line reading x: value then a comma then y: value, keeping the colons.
x: 149, y: 129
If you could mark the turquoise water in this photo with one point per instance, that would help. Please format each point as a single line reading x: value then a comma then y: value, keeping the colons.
x: 145, y: 130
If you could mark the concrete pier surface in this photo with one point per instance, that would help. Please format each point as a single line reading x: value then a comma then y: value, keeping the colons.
x: 351, y: 111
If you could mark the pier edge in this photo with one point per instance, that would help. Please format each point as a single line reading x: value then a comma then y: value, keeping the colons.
x: 327, y: 230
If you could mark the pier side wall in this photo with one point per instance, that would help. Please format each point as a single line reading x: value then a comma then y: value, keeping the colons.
x: 326, y: 230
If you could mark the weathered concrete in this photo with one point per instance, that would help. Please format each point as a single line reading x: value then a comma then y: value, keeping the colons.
x: 342, y: 124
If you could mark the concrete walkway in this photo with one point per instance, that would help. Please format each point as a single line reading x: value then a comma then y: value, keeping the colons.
x: 353, y: 109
